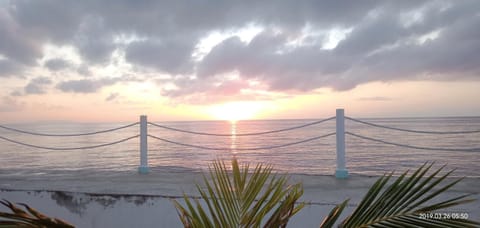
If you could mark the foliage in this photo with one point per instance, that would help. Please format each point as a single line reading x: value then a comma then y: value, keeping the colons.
x: 21, y: 218
x: 405, y: 203
x: 240, y: 199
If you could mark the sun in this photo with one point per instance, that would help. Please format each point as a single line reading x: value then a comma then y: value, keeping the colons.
x: 234, y: 111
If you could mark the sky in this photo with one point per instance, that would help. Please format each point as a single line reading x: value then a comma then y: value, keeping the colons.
x: 204, y: 60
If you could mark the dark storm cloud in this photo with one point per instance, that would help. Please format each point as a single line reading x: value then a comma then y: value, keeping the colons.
x: 386, y: 41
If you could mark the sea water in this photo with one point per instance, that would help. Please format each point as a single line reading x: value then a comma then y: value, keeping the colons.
x: 314, y: 157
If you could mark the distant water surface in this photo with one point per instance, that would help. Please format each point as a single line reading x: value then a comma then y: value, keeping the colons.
x: 314, y: 157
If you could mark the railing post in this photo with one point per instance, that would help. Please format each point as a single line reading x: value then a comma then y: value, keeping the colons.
x: 341, y: 172
x: 143, y: 168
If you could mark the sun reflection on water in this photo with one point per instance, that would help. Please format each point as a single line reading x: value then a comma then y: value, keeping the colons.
x: 233, y: 137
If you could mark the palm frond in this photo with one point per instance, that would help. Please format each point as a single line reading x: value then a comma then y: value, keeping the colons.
x: 21, y: 218
x: 241, y: 198
x: 331, y: 218
x: 405, y: 203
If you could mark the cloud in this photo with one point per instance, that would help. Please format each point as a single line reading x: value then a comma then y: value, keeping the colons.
x: 265, y: 59
x: 16, y: 44
x: 8, y: 104
x: 36, y: 85
x: 170, y: 56
x: 215, y: 90
x: 49, y: 19
x: 57, y: 64
x: 16, y: 93
x: 112, y: 96
x: 302, y: 46
x: 91, y: 85
x: 379, y: 48
x: 83, y: 85
x: 93, y: 41
x: 377, y: 98
x: 9, y: 68
x: 84, y: 70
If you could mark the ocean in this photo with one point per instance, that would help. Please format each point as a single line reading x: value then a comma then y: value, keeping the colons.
x: 314, y: 157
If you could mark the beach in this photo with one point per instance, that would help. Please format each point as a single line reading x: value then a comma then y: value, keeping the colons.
x: 129, y: 199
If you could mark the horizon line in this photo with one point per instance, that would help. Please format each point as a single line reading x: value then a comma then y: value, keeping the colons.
x: 60, y: 121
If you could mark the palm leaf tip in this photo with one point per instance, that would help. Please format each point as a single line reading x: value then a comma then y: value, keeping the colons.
x: 240, y: 198
x: 401, y: 203
x: 331, y: 218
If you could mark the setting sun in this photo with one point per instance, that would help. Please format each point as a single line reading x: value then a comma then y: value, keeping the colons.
x: 234, y: 111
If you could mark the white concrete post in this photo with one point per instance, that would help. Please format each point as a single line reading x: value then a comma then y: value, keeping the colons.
x: 143, y: 168
x: 341, y: 171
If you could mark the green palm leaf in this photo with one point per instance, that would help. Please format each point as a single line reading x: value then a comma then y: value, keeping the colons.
x: 241, y: 199
x: 404, y: 203
x: 330, y: 220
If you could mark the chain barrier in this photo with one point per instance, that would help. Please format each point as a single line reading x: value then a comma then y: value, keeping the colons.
x: 411, y: 131
x: 67, y: 135
x: 68, y: 148
x: 165, y: 140
x: 240, y: 149
x: 242, y: 134
x: 413, y: 147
